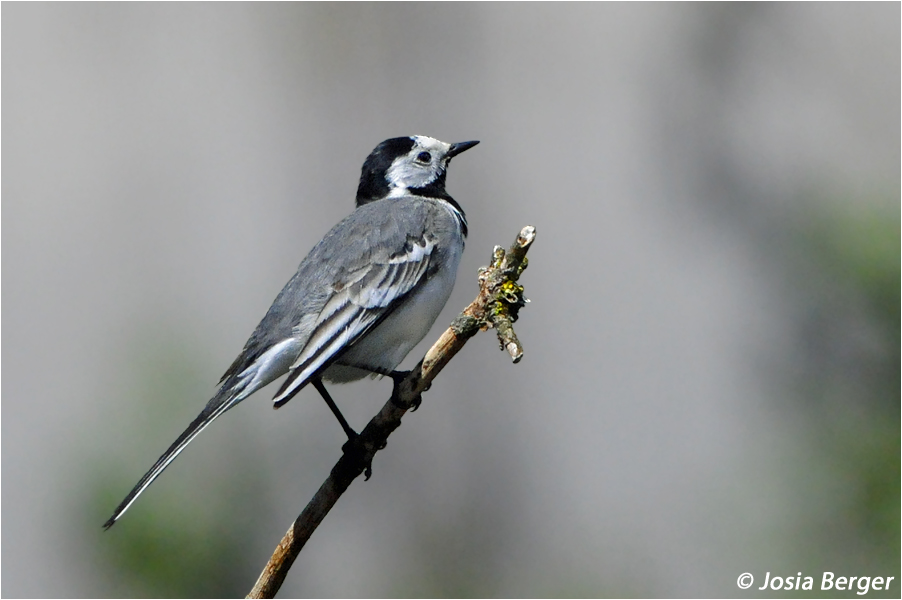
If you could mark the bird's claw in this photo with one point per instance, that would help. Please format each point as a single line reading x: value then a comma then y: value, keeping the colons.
x: 368, y: 461
x: 419, y: 399
x: 357, y: 449
x: 397, y: 378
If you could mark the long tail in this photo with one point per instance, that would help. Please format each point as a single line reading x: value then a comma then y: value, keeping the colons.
x: 214, y: 408
x: 254, y: 368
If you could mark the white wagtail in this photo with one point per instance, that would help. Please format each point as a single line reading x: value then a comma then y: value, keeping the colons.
x: 366, y: 294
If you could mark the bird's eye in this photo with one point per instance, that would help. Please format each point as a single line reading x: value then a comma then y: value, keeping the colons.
x: 424, y: 157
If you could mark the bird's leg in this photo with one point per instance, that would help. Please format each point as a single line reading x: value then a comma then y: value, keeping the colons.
x: 354, y: 446
x: 318, y: 384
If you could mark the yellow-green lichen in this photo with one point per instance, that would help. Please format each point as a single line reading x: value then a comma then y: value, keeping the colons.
x: 511, y: 292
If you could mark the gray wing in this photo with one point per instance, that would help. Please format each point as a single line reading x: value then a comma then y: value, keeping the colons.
x: 347, y: 284
x: 360, y: 300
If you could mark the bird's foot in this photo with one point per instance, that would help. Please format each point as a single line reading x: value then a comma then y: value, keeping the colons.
x: 398, y: 378
x: 356, y: 450
x: 359, y: 451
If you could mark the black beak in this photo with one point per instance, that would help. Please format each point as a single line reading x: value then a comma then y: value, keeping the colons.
x: 460, y: 147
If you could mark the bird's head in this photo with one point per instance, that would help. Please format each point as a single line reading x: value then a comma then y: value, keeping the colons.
x: 413, y: 164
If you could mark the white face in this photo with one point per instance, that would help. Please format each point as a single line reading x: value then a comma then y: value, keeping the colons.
x: 421, y: 166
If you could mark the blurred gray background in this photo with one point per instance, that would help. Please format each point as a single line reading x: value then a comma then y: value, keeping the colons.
x: 711, y: 379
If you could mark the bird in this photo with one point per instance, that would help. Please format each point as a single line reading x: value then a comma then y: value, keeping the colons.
x: 363, y: 297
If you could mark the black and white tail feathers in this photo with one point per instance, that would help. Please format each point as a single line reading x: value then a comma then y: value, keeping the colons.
x: 220, y: 403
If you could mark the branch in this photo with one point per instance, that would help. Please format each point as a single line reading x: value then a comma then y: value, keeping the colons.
x: 497, y: 305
